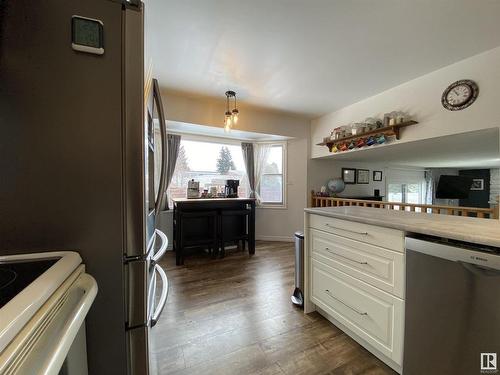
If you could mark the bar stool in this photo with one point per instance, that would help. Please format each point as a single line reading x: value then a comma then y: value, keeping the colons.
x: 198, y: 230
x: 233, y: 227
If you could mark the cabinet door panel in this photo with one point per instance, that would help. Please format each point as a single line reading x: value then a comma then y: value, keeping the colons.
x: 375, y: 265
x: 384, y: 237
x: 370, y: 313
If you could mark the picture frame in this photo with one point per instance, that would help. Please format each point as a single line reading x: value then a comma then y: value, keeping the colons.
x: 349, y: 175
x: 477, y: 184
x: 363, y: 176
x: 377, y: 176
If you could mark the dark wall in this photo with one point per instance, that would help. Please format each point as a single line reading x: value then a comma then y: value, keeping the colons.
x: 477, y: 198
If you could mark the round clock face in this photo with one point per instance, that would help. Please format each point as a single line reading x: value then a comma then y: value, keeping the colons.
x: 460, y: 95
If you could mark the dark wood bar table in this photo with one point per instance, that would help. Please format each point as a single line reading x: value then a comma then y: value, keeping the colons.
x: 194, y: 224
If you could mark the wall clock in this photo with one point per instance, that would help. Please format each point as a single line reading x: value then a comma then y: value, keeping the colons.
x: 459, y: 95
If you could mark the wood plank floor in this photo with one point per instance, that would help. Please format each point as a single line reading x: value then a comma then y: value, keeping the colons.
x: 234, y: 316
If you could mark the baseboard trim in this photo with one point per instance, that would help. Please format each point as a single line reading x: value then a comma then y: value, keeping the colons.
x: 259, y: 238
x: 275, y: 238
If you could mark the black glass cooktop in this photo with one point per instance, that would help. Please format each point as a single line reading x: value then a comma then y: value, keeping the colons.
x: 15, y: 276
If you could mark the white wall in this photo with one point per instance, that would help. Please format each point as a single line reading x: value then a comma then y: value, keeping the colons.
x: 326, y: 169
x: 421, y: 97
x: 271, y: 223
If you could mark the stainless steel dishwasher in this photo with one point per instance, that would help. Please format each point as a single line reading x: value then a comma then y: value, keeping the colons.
x: 452, y: 313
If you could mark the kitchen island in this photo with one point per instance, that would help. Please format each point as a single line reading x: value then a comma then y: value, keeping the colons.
x: 205, y: 221
x: 469, y: 229
x: 355, y: 268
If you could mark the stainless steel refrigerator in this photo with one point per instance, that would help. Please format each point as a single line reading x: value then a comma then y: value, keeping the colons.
x: 77, y: 156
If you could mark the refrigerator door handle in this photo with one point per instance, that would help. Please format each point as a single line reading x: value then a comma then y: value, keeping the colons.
x: 163, y: 132
x: 163, y: 297
x: 163, y: 247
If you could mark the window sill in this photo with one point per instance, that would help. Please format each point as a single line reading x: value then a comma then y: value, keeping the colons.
x: 272, y: 206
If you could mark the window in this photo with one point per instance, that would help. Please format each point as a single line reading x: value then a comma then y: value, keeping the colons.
x: 406, y: 186
x: 405, y: 193
x: 272, y: 183
x: 210, y: 163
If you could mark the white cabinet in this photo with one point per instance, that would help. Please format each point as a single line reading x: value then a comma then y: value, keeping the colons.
x: 377, y: 266
x: 384, y: 237
x: 372, y: 314
x: 355, y: 277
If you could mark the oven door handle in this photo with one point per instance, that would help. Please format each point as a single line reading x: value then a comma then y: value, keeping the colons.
x: 56, y: 335
x: 163, y: 247
x: 163, y: 132
x: 163, y: 297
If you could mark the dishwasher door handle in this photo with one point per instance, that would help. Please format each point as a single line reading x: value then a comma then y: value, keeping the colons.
x: 479, y: 270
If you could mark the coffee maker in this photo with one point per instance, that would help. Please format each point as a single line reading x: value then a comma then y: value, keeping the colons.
x: 193, y: 190
x: 231, y: 188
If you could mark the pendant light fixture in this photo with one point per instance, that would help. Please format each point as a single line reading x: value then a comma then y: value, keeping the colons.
x: 231, y: 116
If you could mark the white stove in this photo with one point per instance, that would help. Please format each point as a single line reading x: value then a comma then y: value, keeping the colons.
x: 44, y: 299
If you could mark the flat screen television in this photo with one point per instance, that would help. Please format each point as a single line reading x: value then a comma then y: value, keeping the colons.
x: 453, y: 187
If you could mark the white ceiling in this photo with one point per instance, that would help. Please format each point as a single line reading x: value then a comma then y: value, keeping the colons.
x: 477, y: 149
x: 311, y: 56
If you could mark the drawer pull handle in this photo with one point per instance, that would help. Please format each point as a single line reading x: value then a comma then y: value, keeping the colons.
x: 342, y: 256
x: 347, y: 230
x: 345, y: 304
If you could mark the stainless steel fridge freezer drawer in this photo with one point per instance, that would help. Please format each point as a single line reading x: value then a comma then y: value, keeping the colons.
x: 138, y: 349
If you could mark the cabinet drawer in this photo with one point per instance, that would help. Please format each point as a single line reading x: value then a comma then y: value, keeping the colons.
x: 375, y: 265
x: 385, y: 237
x: 373, y: 315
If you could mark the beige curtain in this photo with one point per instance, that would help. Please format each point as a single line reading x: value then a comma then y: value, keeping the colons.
x: 248, y: 159
x: 261, y: 153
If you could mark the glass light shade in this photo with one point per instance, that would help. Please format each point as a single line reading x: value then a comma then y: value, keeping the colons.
x: 235, y: 117
x: 227, y: 128
x: 229, y: 121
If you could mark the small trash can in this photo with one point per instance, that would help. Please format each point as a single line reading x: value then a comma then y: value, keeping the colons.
x: 298, y: 295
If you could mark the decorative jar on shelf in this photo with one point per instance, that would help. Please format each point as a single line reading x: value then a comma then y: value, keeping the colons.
x: 371, y: 123
x: 345, y: 131
x: 387, y: 119
x: 358, y: 128
x: 393, y: 119
x: 401, y: 117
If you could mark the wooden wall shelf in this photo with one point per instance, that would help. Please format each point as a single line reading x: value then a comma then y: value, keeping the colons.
x: 387, y: 131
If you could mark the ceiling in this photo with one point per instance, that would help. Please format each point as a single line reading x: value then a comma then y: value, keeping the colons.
x: 311, y: 57
x: 477, y: 149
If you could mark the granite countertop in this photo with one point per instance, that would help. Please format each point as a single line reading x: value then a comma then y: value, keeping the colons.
x: 469, y: 229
